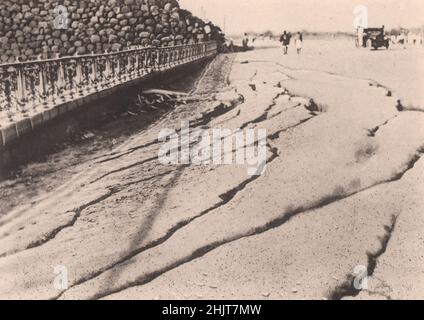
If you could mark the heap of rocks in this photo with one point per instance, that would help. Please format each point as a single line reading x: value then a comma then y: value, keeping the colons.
x: 31, y: 29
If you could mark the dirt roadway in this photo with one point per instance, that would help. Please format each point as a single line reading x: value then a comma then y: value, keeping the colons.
x: 343, y: 188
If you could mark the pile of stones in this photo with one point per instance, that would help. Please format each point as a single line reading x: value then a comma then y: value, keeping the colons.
x: 40, y: 29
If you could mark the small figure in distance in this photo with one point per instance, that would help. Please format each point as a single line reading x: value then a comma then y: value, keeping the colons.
x: 245, y: 42
x: 285, y: 40
x: 299, y: 42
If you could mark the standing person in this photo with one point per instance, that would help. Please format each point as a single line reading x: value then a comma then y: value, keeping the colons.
x: 299, y: 42
x: 285, y: 40
x: 245, y: 42
x: 231, y: 45
x: 402, y: 40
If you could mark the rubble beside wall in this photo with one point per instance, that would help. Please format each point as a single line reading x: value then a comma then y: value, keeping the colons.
x: 34, y: 29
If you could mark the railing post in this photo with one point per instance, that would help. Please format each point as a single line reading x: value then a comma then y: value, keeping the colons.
x: 69, y: 74
x: 127, y: 73
x: 133, y: 64
x: 157, y: 59
x: 85, y: 81
x: 147, y: 60
x: 52, y: 83
x: 118, y: 68
x: 8, y: 94
x: 94, y: 75
x: 137, y: 64
x: 160, y: 58
x: 107, y: 72
x: 42, y: 87
x: 79, y: 77
x: 178, y: 56
x: 61, y: 82
x: 144, y: 61
x: 21, y: 94
x: 33, y: 91
x: 89, y: 74
x: 26, y: 85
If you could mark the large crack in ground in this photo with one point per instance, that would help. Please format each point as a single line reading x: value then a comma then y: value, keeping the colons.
x: 389, y: 92
x: 218, y: 111
x: 206, y: 118
x: 138, y: 163
x: 113, y: 190
x: 225, y: 199
x: 372, y: 132
x: 278, y: 222
x: 347, y: 289
x: 263, y: 116
x: 52, y: 234
x: 118, y: 155
x: 193, y: 92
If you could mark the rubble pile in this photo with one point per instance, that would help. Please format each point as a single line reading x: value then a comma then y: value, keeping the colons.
x: 31, y: 29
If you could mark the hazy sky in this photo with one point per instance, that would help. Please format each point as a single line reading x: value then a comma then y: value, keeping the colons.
x: 318, y: 15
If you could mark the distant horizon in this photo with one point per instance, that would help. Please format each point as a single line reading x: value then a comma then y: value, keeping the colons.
x: 239, y: 16
x: 317, y: 32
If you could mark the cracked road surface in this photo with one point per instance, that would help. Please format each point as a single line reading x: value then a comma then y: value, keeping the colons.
x: 343, y: 188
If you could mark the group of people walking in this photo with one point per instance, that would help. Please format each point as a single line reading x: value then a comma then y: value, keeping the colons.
x: 285, y: 39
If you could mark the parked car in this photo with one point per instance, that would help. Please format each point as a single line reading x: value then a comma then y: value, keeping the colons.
x: 373, y: 38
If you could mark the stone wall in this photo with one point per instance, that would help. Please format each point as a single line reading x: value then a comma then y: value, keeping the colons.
x: 34, y: 29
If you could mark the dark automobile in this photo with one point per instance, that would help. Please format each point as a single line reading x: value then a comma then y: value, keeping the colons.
x: 374, y: 38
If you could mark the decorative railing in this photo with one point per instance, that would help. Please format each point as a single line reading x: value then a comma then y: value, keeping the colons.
x: 30, y: 87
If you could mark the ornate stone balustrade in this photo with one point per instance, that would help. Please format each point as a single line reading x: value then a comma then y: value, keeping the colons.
x: 30, y: 88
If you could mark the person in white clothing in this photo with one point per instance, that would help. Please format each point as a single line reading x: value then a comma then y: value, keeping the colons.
x: 299, y: 42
